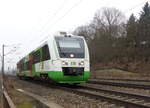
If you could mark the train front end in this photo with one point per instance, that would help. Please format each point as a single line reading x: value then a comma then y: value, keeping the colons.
x: 72, y: 64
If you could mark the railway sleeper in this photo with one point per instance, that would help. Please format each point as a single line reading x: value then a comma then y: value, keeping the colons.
x: 139, y: 101
x: 132, y: 99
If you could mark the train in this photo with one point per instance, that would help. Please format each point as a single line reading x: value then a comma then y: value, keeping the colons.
x: 61, y: 58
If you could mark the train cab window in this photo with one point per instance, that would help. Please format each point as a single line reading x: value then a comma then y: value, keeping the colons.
x: 36, y: 57
x: 45, y: 53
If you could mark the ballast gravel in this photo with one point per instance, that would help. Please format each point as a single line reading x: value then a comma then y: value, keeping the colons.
x: 61, y: 97
x: 122, y: 89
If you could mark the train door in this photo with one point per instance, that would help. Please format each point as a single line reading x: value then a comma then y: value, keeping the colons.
x: 30, y: 64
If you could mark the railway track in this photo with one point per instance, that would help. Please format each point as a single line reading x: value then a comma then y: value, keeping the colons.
x: 121, y: 84
x: 119, y: 79
x: 120, y: 98
x: 116, y: 97
x: 123, y: 97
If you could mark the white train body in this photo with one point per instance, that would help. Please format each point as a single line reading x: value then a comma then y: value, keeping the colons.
x: 67, y: 60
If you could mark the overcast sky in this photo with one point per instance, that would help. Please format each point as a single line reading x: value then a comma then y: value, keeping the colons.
x: 29, y: 21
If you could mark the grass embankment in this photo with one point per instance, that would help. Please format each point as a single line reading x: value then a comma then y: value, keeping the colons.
x: 116, y: 73
x: 21, y: 100
x: 18, y: 98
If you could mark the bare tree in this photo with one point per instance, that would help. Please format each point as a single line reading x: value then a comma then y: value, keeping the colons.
x: 110, y: 20
x: 101, y: 33
x: 87, y: 31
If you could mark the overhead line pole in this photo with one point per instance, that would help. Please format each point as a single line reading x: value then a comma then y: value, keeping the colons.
x: 2, y: 76
x: 3, y: 65
x: 5, y: 100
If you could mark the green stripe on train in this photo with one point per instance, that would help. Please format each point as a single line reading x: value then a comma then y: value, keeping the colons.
x: 59, y: 77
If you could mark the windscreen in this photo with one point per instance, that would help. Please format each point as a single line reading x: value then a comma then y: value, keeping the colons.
x: 69, y: 44
x: 70, y: 47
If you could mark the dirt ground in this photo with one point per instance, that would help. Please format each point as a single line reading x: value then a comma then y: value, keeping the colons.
x: 118, y: 74
x: 135, y: 67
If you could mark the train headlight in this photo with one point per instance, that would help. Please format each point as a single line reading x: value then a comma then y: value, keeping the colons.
x: 71, y: 55
x: 81, y: 63
x: 64, y: 63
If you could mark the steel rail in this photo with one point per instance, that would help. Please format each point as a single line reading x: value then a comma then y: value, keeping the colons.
x: 117, y: 92
x: 119, y: 79
x: 78, y: 90
x: 88, y: 92
x: 120, y: 84
x: 117, y: 101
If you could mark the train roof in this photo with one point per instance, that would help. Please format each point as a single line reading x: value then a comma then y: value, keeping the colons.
x: 49, y: 38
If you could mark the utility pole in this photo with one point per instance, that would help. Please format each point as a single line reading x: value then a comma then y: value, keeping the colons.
x: 3, y: 73
x: 2, y: 66
x: 2, y: 81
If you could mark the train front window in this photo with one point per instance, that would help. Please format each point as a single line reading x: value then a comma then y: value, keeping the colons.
x: 69, y: 44
x: 70, y: 47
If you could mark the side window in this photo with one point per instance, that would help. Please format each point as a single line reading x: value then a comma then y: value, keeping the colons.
x: 45, y: 53
x: 21, y: 66
x: 24, y: 66
x: 27, y: 65
x: 36, y: 57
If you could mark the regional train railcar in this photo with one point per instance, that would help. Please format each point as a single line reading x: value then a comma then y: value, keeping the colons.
x: 62, y: 58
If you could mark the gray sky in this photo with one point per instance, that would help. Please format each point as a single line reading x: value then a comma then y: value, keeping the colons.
x: 30, y: 21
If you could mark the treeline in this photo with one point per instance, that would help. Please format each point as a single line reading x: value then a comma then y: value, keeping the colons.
x: 112, y: 38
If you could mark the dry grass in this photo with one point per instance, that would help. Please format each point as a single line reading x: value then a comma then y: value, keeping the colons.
x: 117, y: 73
x: 140, y: 67
x: 19, y: 99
